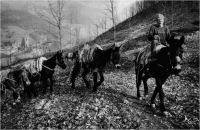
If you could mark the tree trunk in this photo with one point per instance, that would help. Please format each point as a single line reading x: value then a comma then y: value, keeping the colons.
x: 172, y: 13
x: 10, y: 56
x: 60, y: 39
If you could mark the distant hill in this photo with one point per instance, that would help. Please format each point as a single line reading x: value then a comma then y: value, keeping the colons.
x: 20, y: 18
x: 21, y: 14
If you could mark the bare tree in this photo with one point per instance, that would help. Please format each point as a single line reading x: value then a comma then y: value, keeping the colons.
x: 77, y: 29
x: 126, y: 12
x: 71, y: 22
x: 105, y: 24
x: 111, y: 10
x: 139, y: 6
x: 53, y: 14
x: 97, y: 27
x: 172, y: 8
x: 132, y: 10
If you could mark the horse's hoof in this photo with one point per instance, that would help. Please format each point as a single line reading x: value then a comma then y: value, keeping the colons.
x: 153, y: 105
x: 140, y: 98
x: 166, y: 114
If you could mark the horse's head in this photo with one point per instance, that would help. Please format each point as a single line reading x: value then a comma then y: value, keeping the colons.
x: 60, y: 59
x: 24, y: 76
x: 115, y: 55
x: 176, y: 52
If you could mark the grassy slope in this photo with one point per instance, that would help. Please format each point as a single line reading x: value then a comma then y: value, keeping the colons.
x: 115, y: 104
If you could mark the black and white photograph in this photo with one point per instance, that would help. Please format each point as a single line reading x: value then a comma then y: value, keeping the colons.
x: 99, y: 64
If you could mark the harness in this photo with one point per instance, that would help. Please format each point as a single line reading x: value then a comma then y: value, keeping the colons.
x: 157, y: 64
x: 166, y: 69
x: 48, y: 67
x: 13, y: 89
x: 56, y: 63
x: 11, y: 79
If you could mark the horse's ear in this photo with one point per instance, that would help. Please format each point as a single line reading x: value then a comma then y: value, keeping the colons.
x: 59, y: 52
x: 182, y: 40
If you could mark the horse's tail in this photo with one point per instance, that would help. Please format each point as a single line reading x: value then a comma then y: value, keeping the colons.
x: 137, y: 53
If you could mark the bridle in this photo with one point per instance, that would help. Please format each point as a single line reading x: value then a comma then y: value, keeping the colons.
x: 58, y: 63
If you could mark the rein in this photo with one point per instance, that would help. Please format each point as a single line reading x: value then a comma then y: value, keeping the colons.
x: 48, y: 67
x: 11, y: 79
x: 56, y: 63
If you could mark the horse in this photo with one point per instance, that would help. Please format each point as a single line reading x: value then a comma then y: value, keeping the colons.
x: 13, y: 82
x: 166, y: 62
x: 94, y: 59
x: 46, y: 72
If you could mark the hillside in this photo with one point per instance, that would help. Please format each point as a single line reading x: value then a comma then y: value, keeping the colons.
x: 185, y: 20
x: 114, y: 105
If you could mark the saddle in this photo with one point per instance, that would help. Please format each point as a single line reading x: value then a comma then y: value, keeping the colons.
x: 152, y: 57
x: 34, y: 66
x: 87, y: 53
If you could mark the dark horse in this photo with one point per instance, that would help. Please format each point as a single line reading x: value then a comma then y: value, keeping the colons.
x: 168, y: 61
x: 46, y: 72
x: 94, y: 59
x: 13, y: 82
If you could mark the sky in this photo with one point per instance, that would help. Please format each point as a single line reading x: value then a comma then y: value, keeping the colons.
x: 100, y: 4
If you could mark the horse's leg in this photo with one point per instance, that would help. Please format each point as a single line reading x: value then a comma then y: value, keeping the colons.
x: 30, y: 89
x: 45, y: 85
x: 34, y: 91
x: 154, y: 96
x: 146, y: 90
x: 85, y: 72
x: 138, y: 83
x: 161, y: 96
x: 75, y: 71
x: 101, y: 78
x: 51, y: 87
x: 95, y: 81
x: 25, y: 90
x: 15, y: 96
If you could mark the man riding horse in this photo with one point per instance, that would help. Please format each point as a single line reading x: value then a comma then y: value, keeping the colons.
x: 159, y: 35
x: 160, y: 60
